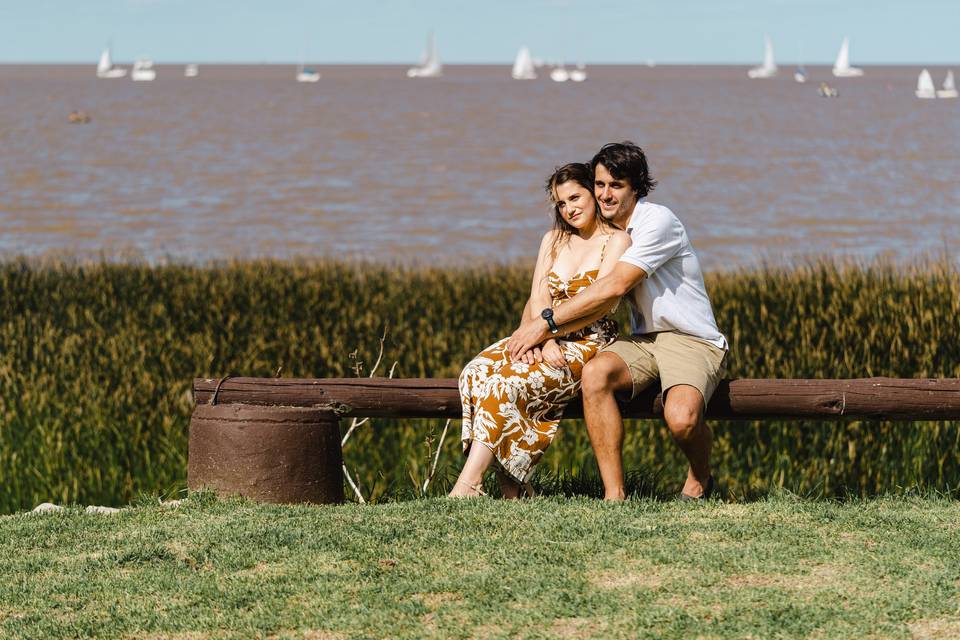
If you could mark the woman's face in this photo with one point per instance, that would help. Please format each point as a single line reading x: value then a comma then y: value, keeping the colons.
x: 575, y: 204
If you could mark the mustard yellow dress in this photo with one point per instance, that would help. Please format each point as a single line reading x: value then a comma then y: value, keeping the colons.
x: 514, y: 408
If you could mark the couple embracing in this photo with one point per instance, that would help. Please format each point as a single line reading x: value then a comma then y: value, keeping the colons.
x: 607, y: 243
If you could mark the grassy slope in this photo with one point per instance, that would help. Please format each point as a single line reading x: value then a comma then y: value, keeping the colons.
x: 782, y: 567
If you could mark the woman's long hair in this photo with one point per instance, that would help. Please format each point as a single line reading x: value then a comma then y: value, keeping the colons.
x: 582, y: 174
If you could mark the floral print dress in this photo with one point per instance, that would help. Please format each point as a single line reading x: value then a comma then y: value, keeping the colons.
x: 514, y: 408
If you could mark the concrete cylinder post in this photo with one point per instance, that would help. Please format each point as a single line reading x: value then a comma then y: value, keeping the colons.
x: 267, y: 453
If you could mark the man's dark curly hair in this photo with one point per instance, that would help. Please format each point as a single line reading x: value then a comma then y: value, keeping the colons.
x: 626, y: 161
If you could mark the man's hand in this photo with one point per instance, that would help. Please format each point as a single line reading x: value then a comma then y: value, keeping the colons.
x: 533, y: 356
x: 530, y: 334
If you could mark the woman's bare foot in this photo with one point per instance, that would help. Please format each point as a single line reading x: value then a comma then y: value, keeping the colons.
x: 463, y: 489
x: 469, y: 483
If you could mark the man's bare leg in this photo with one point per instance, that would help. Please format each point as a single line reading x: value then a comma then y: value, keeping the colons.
x: 602, y: 377
x: 683, y: 411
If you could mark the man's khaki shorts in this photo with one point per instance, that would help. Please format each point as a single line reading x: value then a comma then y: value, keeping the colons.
x: 673, y: 358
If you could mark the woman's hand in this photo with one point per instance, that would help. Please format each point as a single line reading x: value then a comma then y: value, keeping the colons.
x: 553, y: 354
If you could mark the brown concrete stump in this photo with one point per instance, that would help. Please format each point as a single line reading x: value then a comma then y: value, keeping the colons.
x: 267, y: 453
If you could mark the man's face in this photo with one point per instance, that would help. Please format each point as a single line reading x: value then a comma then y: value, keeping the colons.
x: 615, y: 195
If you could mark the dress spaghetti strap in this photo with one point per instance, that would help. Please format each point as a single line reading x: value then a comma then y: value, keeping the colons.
x: 603, y: 247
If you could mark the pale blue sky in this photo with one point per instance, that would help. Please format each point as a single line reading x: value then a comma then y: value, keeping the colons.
x: 491, y: 31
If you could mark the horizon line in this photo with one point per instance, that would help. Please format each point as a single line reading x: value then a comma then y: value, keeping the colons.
x: 643, y: 63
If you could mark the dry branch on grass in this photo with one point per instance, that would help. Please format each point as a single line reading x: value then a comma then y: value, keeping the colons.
x: 357, y: 422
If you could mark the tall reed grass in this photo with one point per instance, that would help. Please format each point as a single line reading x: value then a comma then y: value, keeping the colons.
x: 97, y: 360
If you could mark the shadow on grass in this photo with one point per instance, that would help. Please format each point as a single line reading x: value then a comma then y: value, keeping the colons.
x: 580, y: 482
x: 642, y: 483
x: 586, y: 483
x: 844, y: 495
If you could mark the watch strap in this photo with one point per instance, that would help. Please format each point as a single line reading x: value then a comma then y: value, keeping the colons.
x: 551, y: 323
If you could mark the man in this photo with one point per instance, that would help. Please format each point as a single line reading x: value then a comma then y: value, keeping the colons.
x: 674, y: 334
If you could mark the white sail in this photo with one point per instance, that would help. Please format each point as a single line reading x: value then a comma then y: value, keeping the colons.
x: 948, y: 83
x: 105, y: 62
x: 800, y: 75
x: 768, y: 62
x: 843, y: 58
x: 105, y: 68
x: 949, y: 89
x: 925, y: 88
x: 769, y: 68
x: 523, y: 66
x: 842, y: 68
x: 191, y: 71
x: 430, y: 67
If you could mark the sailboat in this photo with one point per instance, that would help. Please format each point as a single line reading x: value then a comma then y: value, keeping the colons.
x: 559, y: 73
x: 769, y: 68
x: 430, y: 67
x: 800, y: 75
x: 579, y: 74
x: 191, y: 71
x: 143, y: 71
x: 523, y: 66
x: 842, y: 68
x: 307, y: 74
x: 105, y: 68
x: 949, y: 89
x: 925, y: 88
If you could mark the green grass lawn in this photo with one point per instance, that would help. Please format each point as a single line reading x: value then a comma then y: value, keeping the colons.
x: 545, y: 568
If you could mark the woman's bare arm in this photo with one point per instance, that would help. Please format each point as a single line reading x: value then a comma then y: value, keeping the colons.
x: 539, y: 292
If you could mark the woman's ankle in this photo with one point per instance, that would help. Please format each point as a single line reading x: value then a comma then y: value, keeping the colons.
x: 465, y: 489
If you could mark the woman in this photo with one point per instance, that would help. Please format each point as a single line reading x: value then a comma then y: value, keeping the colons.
x: 511, y: 409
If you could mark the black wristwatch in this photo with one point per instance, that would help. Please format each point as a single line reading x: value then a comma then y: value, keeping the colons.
x: 547, y: 314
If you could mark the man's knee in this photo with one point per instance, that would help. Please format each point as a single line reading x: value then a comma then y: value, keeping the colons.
x: 603, y: 375
x: 683, y: 413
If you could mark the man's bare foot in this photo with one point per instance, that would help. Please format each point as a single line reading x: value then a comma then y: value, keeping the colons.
x: 616, y: 495
x: 696, y: 490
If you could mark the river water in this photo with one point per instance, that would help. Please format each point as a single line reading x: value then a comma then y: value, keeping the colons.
x: 245, y: 162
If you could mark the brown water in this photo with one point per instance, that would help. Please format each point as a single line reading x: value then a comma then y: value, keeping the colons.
x: 244, y: 161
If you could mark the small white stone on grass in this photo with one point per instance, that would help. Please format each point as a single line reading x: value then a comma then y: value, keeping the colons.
x: 48, y: 507
x: 171, y: 503
x: 101, y: 510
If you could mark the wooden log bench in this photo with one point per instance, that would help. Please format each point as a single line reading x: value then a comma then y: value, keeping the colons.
x: 278, y: 439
